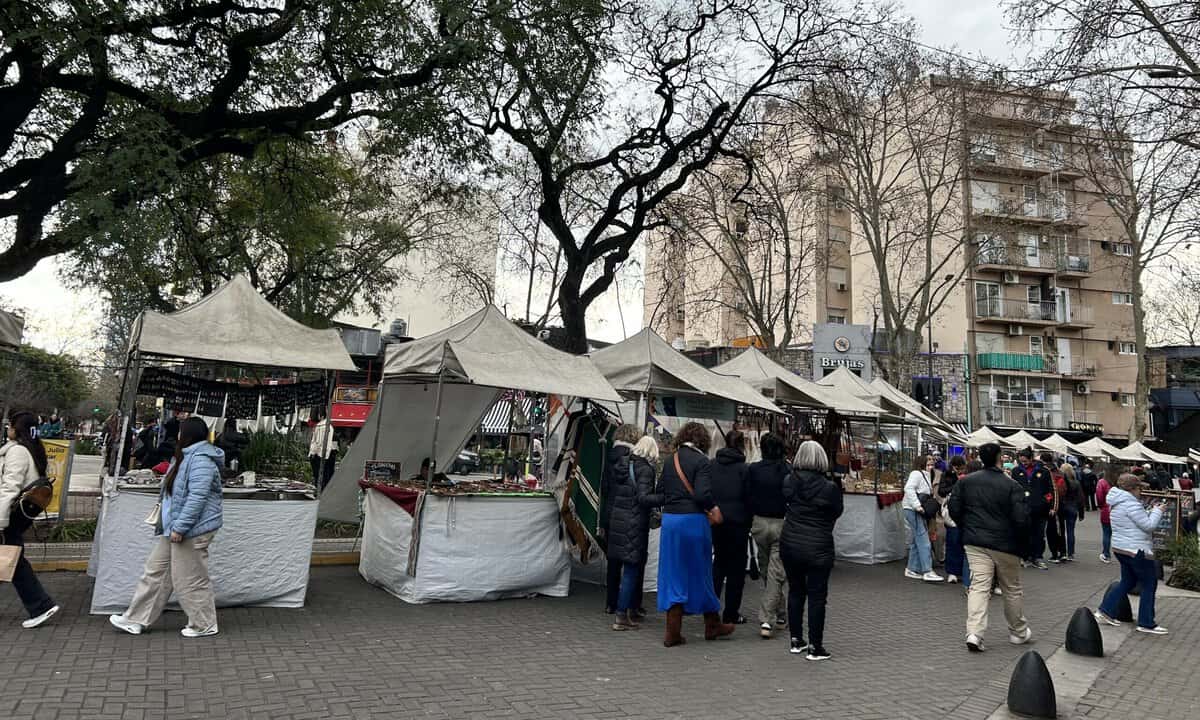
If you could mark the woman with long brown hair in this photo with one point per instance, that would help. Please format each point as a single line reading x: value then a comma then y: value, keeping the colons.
x: 22, y: 462
x: 190, y: 514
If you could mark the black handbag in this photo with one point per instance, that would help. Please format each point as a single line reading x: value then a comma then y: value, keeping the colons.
x: 930, y: 507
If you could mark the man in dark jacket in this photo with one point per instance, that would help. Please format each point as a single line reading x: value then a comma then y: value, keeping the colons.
x: 730, y: 485
x: 1038, y: 483
x: 1088, y: 479
x: 992, y: 510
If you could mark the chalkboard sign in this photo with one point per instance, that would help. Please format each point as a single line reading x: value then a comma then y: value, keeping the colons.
x: 1177, y: 506
x: 387, y: 473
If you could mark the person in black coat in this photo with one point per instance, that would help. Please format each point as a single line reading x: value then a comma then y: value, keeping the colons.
x: 766, y: 479
x: 814, y: 503
x: 730, y: 482
x: 633, y: 497
x: 616, y: 471
x: 1038, y: 483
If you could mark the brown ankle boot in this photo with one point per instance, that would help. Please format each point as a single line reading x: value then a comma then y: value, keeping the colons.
x: 714, y: 628
x: 674, y: 634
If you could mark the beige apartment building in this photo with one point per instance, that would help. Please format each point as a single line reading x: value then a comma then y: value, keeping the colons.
x: 1040, y: 304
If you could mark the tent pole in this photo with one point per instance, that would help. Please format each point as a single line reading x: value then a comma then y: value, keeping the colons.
x: 641, y: 412
x: 437, y: 421
x: 512, y: 411
x: 133, y: 364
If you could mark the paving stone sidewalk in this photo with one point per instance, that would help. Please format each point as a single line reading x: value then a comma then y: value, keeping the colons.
x: 357, y: 652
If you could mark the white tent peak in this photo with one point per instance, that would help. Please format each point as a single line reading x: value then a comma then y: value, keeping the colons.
x: 488, y: 349
x: 237, y: 325
x: 761, y: 372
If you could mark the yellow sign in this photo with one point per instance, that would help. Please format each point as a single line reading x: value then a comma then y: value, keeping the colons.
x: 58, y: 463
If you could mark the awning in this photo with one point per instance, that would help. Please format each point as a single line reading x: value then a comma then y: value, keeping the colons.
x: 985, y: 435
x: 495, y: 422
x: 765, y: 375
x: 1154, y: 455
x: 1057, y: 443
x: 1021, y: 440
x: 235, y: 324
x: 1098, y: 448
x: 914, y: 408
x: 11, y: 328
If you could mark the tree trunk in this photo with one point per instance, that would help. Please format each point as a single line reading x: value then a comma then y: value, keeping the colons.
x: 1137, y: 429
x: 574, y: 313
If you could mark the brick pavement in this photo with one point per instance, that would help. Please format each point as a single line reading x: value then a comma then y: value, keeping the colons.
x: 356, y: 652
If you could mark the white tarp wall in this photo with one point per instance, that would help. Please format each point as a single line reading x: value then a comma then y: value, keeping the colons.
x: 594, y: 572
x: 259, y: 557
x: 472, y: 548
x: 867, y: 535
x: 407, y: 435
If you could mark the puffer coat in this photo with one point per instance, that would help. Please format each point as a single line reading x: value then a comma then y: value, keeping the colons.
x: 814, y: 503
x: 632, y: 497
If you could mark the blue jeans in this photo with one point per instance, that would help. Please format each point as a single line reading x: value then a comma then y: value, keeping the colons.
x: 1106, y: 539
x: 920, y: 552
x: 629, y: 584
x: 1134, y: 570
x: 1066, y: 528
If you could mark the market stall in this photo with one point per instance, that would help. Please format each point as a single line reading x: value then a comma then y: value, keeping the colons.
x: 985, y: 435
x: 457, y: 541
x: 262, y: 553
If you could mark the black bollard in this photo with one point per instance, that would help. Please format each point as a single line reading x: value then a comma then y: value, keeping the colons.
x: 1124, y: 609
x: 1083, y: 634
x: 1031, y: 691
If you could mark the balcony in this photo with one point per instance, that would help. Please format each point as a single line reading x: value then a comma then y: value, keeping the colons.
x: 1078, y: 369
x: 1018, y: 362
x: 1030, y: 211
x: 1014, y: 311
x: 1075, y: 317
x: 1008, y: 163
x: 1025, y: 416
x: 1001, y: 258
x: 1074, y: 259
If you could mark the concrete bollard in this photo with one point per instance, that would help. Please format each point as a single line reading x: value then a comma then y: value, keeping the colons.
x: 1031, y: 691
x: 1083, y: 634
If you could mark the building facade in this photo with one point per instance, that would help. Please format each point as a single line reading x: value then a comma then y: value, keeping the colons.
x: 1040, y: 302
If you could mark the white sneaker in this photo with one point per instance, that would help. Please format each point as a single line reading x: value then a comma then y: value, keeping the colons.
x: 911, y: 575
x: 1105, y: 559
x: 1022, y: 638
x: 1156, y: 630
x: 120, y: 623
x: 996, y: 591
x: 765, y: 631
x: 975, y: 643
x: 932, y: 577
x: 1104, y: 618
x: 33, y: 622
x: 952, y: 579
x: 190, y: 632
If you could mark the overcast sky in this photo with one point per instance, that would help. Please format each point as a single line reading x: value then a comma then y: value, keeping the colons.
x: 61, y: 320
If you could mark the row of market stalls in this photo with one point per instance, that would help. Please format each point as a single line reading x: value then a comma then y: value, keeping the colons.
x: 1093, y: 448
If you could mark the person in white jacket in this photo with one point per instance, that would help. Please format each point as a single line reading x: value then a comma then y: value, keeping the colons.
x: 1132, y: 543
x: 22, y: 462
x: 920, y: 550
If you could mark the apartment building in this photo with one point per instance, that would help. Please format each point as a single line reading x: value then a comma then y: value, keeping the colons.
x: 1040, y: 301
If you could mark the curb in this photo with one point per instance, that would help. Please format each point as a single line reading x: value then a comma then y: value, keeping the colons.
x: 318, y: 560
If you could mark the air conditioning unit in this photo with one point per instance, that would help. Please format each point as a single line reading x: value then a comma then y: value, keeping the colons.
x: 1083, y: 389
x: 840, y: 287
x: 1011, y: 277
x: 1016, y: 329
x: 1015, y: 382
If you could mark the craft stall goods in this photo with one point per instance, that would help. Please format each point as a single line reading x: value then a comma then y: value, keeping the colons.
x: 216, y: 398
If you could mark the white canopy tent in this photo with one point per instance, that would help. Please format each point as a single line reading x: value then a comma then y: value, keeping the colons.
x: 847, y: 382
x: 775, y: 381
x: 1154, y: 455
x: 1021, y: 440
x: 985, y: 435
x: 1098, y: 449
x: 912, y: 407
x: 1057, y: 443
x: 646, y: 363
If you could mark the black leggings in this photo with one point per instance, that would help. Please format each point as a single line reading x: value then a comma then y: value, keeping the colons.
x: 729, y: 566
x: 807, y: 582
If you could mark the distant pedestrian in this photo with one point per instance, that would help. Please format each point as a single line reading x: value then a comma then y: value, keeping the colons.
x: 1070, y: 510
x: 814, y: 503
x: 956, y: 554
x: 990, y: 508
x: 1102, y: 489
x: 767, y: 478
x: 1055, y: 540
x: 616, y: 471
x: 920, y: 551
x: 1132, y: 542
x: 22, y: 463
x: 685, y: 541
x: 1035, y: 477
x: 633, y: 497
x: 730, y: 486
x: 190, y: 514
x: 322, y: 450
x: 1088, y: 480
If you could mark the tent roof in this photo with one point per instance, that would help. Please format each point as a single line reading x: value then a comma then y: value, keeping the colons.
x: 1154, y: 455
x: 891, y: 392
x: 1059, y: 444
x: 985, y: 435
x: 1021, y: 440
x: 761, y: 372
x: 236, y: 325
x: 645, y: 363
x: 1098, y: 448
x: 10, y: 329
x: 847, y: 382
x: 487, y: 349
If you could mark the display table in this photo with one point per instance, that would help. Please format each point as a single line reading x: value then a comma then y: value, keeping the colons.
x: 469, y: 547
x: 868, y: 533
x: 259, y: 557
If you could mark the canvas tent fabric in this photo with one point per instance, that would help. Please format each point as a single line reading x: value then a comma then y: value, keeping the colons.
x: 985, y: 435
x: 487, y: 349
x: 259, y: 558
x: 847, y: 382
x: 1154, y: 455
x: 237, y: 325
x: 1021, y: 440
x: 647, y: 363
x: 764, y: 374
x: 471, y: 548
x: 1057, y: 443
x: 914, y: 408
x: 11, y: 328
x: 406, y: 436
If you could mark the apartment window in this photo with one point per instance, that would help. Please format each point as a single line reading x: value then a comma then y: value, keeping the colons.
x: 1035, y: 344
x: 985, y: 196
x: 987, y: 299
x: 983, y: 147
x: 839, y: 235
x: 1124, y: 249
x: 836, y: 319
x: 1122, y: 298
x: 989, y: 343
x: 1126, y: 348
x: 1034, y: 294
x: 838, y: 277
x: 1126, y: 399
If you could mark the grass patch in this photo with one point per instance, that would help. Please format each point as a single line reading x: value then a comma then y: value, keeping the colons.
x: 331, y: 529
x: 73, y: 531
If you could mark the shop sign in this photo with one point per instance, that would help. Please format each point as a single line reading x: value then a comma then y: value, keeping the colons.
x: 699, y: 407
x: 1086, y: 427
x: 835, y: 362
x: 59, y: 456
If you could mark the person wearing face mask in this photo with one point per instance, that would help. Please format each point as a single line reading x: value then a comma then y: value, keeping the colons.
x: 920, y: 550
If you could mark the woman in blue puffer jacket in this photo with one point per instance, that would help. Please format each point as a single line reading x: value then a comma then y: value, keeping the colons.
x: 1132, y: 542
x: 190, y: 514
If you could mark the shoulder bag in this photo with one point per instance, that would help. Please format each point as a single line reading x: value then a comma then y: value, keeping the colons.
x: 714, y: 516
x: 930, y: 507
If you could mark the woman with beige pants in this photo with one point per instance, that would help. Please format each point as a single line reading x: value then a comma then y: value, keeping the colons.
x: 189, y: 517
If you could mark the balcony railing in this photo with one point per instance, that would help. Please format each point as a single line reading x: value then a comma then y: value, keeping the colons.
x: 1074, y: 263
x: 1013, y: 256
x: 1011, y: 361
x: 1033, y: 417
x: 1074, y: 316
x: 1017, y: 310
x: 1078, y: 368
